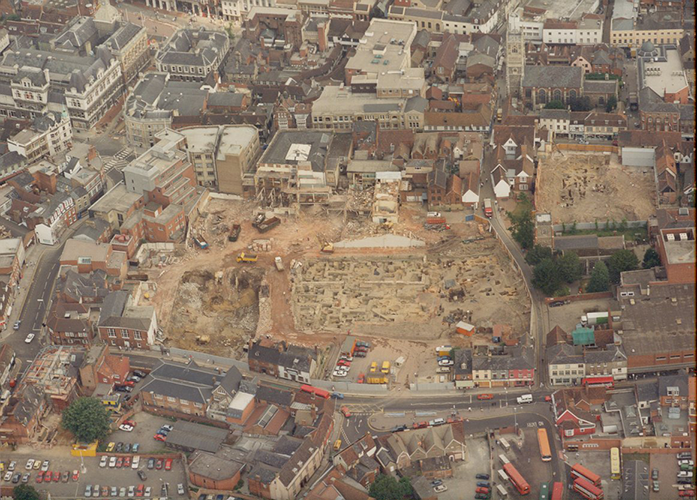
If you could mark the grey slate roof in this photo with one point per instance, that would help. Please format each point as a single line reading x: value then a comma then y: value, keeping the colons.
x: 122, y: 36
x: 553, y: 77
x: 274, y: 396
x: 576, y: 242
x: 196, y: 436
x: 679, y: 381
x: 562, y: 354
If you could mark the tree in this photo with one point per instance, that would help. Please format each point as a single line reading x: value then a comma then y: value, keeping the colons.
x: 620, y: 261
x: 25, y: 492
x: 580, y: 103
x: 651, y: 259
x: 546, y: 277
x: 523, y: 227
x: 388, y: 488
x: 611, y: 104
x: 570, y: 267
x: 555, y: 105
x: 600, y: 278
x: 87, y: 419
x: 537, y: 254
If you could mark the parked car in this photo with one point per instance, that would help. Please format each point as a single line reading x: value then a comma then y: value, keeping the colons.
x: 420, y: 425
x: 25, y: 477
x: 39, y: 477
x: 44, y: 465
x: 482, y: 489
x: 168, y: 464
x: 148, y: 492
x: 436, y: 482
x: 151, y: 463
x: 8, y: 476
x: 110, y: 447
x: 360, y: 354
x: 112, y: 462
x: 139, y: 373
x: 135, y: 448
x: 482, y: 475
x: 131, y: 491
x: 126, y: 427
x: 160, y: 437
x: 654, y: 474
x: 337, y: 395
x: 686, y: 493
x: 65, y: 477
x: 76, y: 475
x: 399, y: 428
x: 363, y: 344
x: 17, y: 476
x: 119, y: 462
x: 556, y: 303
x: 140, y: 490
x: 88, y: 490
x: 127, y: 448
x: 158, y: 464
x: 122, y: 491
x: 126, y: 462
x: 142, y: 475
x: 17, y: 325
x: 114, y: 491
x: 440, y: 488
x: 30, y: 464
x: 103, y: 461
x: 485, y: 396
x: 345, y: 411
x: 655, y: 486
x: 119, y: 447
x: 167, y: 427
x: 180, y: 489
x: 483, y: 484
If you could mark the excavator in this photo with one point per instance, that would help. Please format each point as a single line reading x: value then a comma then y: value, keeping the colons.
x: 324, y: 245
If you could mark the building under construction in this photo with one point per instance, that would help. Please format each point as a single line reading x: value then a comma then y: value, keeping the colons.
x: 55, y: 371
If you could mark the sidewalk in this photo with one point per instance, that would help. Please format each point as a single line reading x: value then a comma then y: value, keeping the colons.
x: 31, y: 262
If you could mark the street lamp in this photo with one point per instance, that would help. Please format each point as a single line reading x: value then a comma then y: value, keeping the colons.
x: 515, y: 419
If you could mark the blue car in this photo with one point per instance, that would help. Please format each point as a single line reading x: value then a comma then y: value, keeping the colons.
x: 483, y: 484
x: 337, y: 395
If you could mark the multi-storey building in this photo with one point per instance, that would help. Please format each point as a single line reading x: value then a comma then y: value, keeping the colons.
x: 193, y: 55
x: 48, y: 136
x: 129, y: 44
x: 125, y: 325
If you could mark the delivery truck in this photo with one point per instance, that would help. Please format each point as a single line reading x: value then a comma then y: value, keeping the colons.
x: 488, y: 211
x: 594, y: 318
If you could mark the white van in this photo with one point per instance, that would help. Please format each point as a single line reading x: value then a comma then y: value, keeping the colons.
x: 436, y: 421
x: 525, y: 398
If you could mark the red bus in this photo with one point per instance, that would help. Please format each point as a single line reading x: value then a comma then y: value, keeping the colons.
x: 608, y: 382
x: 587, y: 490
x: 579, y: 471
x: 314, y: 390
x: 557, y: 491
x: 516, y: 479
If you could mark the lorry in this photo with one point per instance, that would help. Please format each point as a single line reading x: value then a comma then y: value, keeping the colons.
x: 267, y: 224
x: 594, y: 318
x: 376, y: 379
x: 279, y: 263
x: 234, y: 232
x: 200, y: 241
x: 487, y: 208
x: 248, y: 258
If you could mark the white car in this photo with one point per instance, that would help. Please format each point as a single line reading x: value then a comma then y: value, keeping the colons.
x: 126, y: 427
x: 112, y: 462
x: 103, y: 461
x: 445, y: 362
x: 338, y: 373
x: 148, y: 492
x: 30, y: 464
x: 8, y: 476
x: 29, y: 338
x: 347, y: 358
x: 131, y: 491
x: 122, y: 491
x: 44, y: 466
x: 135, y: 463
x: 440, y: 488
x: 180, y: 488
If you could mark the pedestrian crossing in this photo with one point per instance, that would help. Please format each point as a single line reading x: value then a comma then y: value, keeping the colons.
x: 363, y: 409
x: 120, y: 160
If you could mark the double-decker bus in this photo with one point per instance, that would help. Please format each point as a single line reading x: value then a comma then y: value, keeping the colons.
x: 557, y: 491
x: 608, y: 382
x: 579, y: 471
x: 615, y: 465
x: 503, y: 460
x: 544, y: 492
x: 516, y: 479
x: 543, y: 441
x: 316, y: 391
x: 588, y: 490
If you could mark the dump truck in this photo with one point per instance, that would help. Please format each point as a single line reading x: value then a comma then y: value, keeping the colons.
x: 234, y: 232
x: 279, y: 263
x: 248, y: 258
x: 267, y: 224
x: 200, y: 241
x: 376, y: 379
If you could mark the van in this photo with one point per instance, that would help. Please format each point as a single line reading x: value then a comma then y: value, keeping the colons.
x: 385, y: 367
x: 5, y: 396
x: 337, y: 445
x: 525, y: 398
x: 373, y: 367
x: 684, y: 473
x: 436, y: 421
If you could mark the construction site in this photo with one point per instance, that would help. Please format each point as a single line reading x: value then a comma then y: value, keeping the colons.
x: 593, y: 187
x: 337, y: 271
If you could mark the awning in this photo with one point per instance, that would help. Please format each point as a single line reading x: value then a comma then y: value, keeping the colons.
x: 598, y: 380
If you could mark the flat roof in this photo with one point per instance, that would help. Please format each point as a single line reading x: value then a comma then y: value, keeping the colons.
x: 377, y: 41
x: 679, y: 245
x: 623, y: 9
x: 117, y: 199
x: 337, y: 100
x: 200, y: 139
x: 665, y: 76
x: 240, y: 401
x: 234, y: 138
x: 10, y: 246
x: 573, y: 9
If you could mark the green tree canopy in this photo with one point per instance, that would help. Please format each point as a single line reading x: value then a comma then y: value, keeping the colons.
x: 651, y: 259
x: 546, y: 277
x: 555, y: 105
x: 600, y: 279
x: 388, y: 488
x: 611, y: 104
x: 620, y: 261
x: 523, y: 226
x: 87, y: 419
x: 538, y: 253
x: 580, y: 103
x: 570, y: 267
x: 25, y: 492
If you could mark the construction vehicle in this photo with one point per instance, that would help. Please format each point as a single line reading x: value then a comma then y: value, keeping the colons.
x: 201, y: 242
x: 279, y: 263
x: 234, y: 232
x: 376, y: 379
x: 267, y: 224
x: 324, y: 245
x: 248, y: 258
x: 203, y: 339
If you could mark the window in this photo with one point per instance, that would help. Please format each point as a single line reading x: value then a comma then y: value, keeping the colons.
x: 125, y: 335
x: 137, y: 336
x: 111, y: 332
x: 170, y: 399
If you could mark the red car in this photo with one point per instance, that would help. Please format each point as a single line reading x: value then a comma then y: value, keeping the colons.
x: 485, y: 396
x: 548, y: 399
x: 160, y: 437
x: 139, y: 490
x: 343, y: 362
x: 158, y: 464
x: 39, y: 476
x: 361, y: 378
x: 76, y: 475
x: 482, y: 489
x: 119, y: 462
x: 687, y: 493
x: 420, y: 425
x: 129, y: 383
x: 56, y: 477
x: 168, y: 464
x: 345, y: 411
x: 127, y: 462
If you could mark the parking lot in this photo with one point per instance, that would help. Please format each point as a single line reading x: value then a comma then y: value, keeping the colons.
x: 94, y: 475
x: 527, y: 461
x: 463, y: 483
x: 599, y: 463
x: 146, y: 427
x: 667, y: 465
x: 569, y: 315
